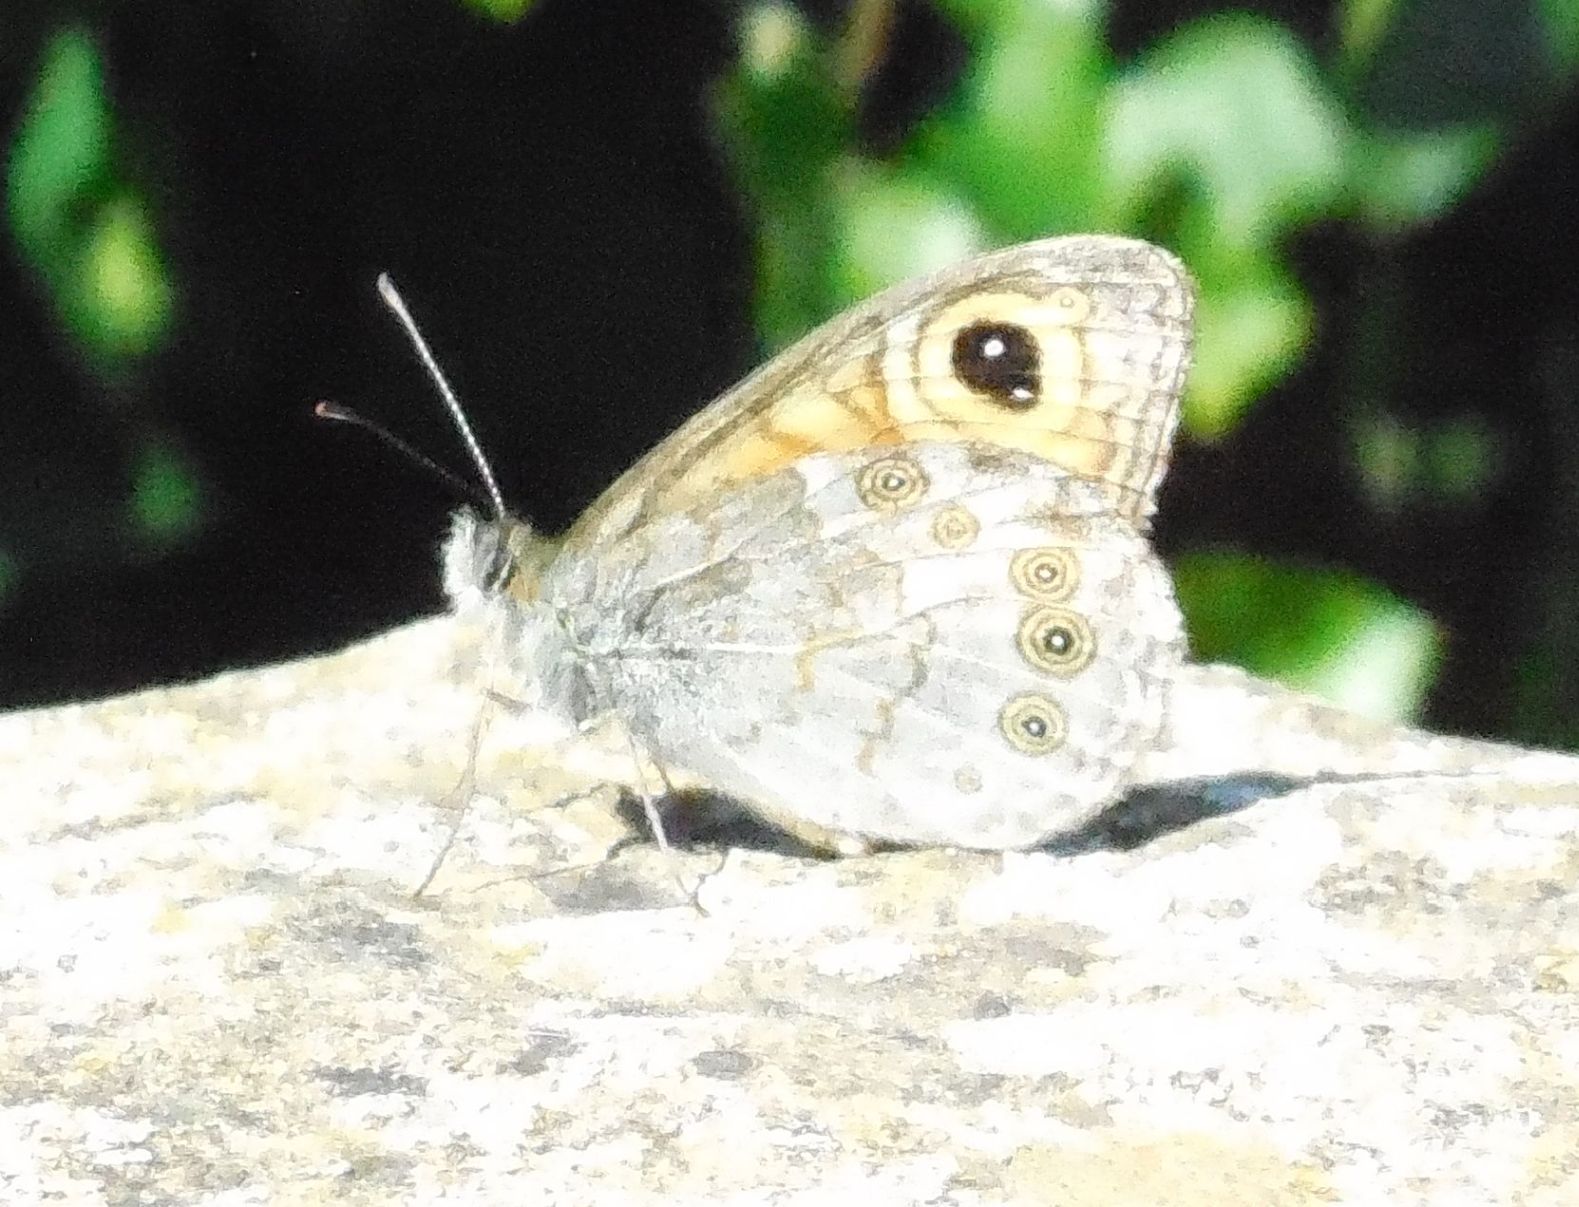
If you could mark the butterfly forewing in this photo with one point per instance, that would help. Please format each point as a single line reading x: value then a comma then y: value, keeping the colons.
x: 1073, y: 349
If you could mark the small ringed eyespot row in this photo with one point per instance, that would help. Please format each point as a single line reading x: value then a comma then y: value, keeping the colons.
x: 1056, y: 640
x: 1048, y: 574
x: 1072, y: 305
x: 890, y: 483
x: 1033, y: 724
x: 954, y: 527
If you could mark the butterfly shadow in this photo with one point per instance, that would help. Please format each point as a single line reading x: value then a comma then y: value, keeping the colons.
x: 1151, y: 812
x: 698, y: 819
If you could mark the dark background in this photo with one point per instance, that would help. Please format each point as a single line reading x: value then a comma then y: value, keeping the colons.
x: 555, y: 202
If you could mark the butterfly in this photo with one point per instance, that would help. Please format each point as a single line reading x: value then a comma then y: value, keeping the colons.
x: 894, y: 588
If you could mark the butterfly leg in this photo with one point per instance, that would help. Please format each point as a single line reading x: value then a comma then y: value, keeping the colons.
x: 459, y: 797
x: 649, y: 803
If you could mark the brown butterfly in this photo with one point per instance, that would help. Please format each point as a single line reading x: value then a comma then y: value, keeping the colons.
x: 894, y: 587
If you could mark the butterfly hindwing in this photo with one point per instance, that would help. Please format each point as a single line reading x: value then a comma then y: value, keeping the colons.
x: 943, y: 642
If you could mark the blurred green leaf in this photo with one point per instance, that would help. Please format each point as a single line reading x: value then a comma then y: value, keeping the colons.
x: 787, y: 127
x: 85, y: 233
x: 1334, y: 634
x: 1234, y: 106
x: 1463, y: 459
x: 126, y: 296
x: 503, y: 11
x: 897, y: 225
x: 1250, y: 330
x: 1405, y: 178
x: 1390, y: 460
x: 1561, y: 20
x: 1022, y: 137
x: 1362, y: 26
x: 166, y: 503
x: 1402, y: 466
x: 60, y: 154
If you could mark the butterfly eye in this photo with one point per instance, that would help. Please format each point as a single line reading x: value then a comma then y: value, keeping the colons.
x: 1056, y: 640
x: 1033, y: 724
x: 1000, y: 360
x: 498, y: 561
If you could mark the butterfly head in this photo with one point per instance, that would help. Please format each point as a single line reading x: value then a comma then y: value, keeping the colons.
x: 487, y: 558
x: 492, y: 572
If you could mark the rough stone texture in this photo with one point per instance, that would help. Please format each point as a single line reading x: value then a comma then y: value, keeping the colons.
x: 216, y: 986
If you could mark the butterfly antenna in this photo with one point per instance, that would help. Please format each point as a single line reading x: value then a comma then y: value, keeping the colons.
x: 392, y: 299
x: 344, y: 414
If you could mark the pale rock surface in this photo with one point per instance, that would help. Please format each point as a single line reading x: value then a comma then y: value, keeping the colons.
x: 216, y: 986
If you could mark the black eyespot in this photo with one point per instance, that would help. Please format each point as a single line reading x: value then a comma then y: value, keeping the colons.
x: 890, y: 483
x: 1033, y: 724
x: 1000, y: 360
x: 1057, y: 641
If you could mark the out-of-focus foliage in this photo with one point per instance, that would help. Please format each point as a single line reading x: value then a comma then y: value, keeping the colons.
x: 503, y: 11
x: 1221, y: 140
x: 165, y: 498
x: 86, y: 232
x: 1444, y: 467
x: 1317, y: 629
x: 1232, y: 139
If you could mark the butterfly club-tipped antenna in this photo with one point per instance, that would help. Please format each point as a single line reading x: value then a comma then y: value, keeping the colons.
x: 344, y: 414
x: 397, y: 306
x: 462, y: 791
